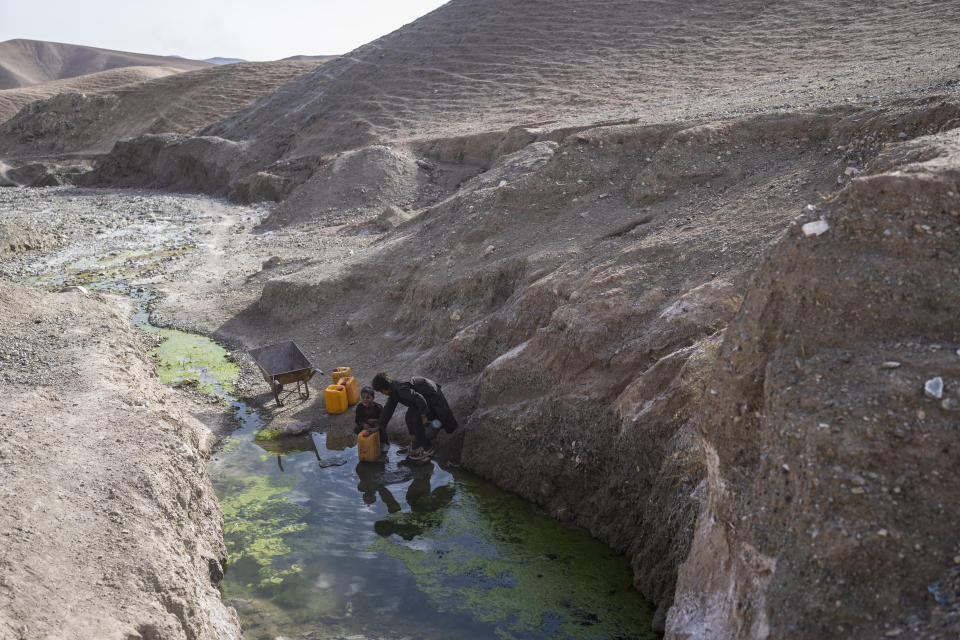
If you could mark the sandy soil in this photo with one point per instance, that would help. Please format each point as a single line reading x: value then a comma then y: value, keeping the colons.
x: 27, y: 62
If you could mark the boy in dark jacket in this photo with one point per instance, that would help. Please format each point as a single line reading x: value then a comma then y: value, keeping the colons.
x: 425, y: 404
x: 368, y: 416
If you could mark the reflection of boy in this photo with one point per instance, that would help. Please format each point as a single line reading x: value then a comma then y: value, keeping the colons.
x: 373, y: 482
x: 368, y: 416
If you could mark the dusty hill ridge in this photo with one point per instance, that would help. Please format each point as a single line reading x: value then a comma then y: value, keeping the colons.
x: 27, y: 62
x: 450, y: 87
x: 12, y: 100
x: 88, y: 118
x: 483, y: 65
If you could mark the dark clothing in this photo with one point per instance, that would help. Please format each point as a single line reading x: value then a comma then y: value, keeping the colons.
x: 365, y: 413
x: 421, y: 397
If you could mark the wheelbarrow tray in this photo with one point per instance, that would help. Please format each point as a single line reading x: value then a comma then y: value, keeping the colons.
x: 284, y: 363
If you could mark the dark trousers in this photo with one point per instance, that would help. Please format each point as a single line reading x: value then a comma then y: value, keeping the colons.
x: 415, y: 426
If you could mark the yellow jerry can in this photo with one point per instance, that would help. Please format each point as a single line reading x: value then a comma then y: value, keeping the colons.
x: 336, y: 398
x: 341, y: 372
x: 353, y: 391
x: 368, y: 445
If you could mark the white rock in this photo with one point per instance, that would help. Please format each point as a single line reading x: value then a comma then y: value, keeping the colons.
x: 296, y: 428
x: 78, y: 289
x: 815, y: 228
x: 850, y: 171
x: 933, y: 388
x: 890, y: 364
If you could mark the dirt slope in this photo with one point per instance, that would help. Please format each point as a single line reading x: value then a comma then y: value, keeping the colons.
x: 28, y: 62
x: 111, y: 528
x: 474, y: 66
x: 89, y: 118
x: 12, y: 100
x: 831, y: 471
x: 573, y: 300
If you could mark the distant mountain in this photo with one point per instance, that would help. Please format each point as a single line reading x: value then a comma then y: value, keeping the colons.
x: 28, y: 62
x: 219, y: 60
x: 318, y: 58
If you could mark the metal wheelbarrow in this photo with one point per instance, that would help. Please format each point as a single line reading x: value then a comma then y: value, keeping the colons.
x: 284, y: 363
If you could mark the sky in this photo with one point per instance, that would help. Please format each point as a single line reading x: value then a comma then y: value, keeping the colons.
x: 199, y: 29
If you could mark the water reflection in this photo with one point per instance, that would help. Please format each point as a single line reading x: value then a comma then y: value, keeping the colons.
x: 374, y: 480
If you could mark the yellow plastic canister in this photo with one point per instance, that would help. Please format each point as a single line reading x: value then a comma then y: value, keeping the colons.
x: 341, y: 372
x: 336, y: 398
x: 353, y: 391
x: 368, y: 445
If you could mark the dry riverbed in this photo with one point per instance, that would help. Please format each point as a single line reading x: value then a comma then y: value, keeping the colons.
x: 109, y: 525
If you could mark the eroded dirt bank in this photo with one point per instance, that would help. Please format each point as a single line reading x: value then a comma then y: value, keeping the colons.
x: 109, y: 525
x: 574, y: 299
x: 639, y: 336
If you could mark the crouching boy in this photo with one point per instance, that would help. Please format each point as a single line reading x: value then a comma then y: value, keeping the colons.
x: 368, y: 416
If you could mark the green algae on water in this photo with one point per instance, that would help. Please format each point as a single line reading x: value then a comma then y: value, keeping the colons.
x: 257, y: 521
x: 186, y: 358
x: 115, y: 267
x: 494, y: 558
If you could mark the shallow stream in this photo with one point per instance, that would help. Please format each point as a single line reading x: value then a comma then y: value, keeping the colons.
x: 323, y: 546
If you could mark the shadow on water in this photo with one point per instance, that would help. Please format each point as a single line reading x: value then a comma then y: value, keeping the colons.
x: 321, y: 545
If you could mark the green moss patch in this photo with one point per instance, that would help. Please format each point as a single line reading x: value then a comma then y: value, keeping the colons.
x: 186, y: 358
x: 257, y: 521
x: 114, y: 267
x: 493, y: 557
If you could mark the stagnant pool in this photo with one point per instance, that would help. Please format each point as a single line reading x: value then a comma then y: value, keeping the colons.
x: 323, y: 546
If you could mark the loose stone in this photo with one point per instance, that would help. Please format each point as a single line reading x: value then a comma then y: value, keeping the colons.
x: 815, y: 228
x: 933, y: 388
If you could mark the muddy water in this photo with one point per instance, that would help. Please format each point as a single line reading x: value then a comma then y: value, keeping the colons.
x: 321, y: 545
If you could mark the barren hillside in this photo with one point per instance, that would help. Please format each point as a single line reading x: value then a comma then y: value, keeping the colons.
x: 28, y: 62
x: 476, y: 66
x: 471, y: 68
x: 12, y: 100
x: 86, y: 117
